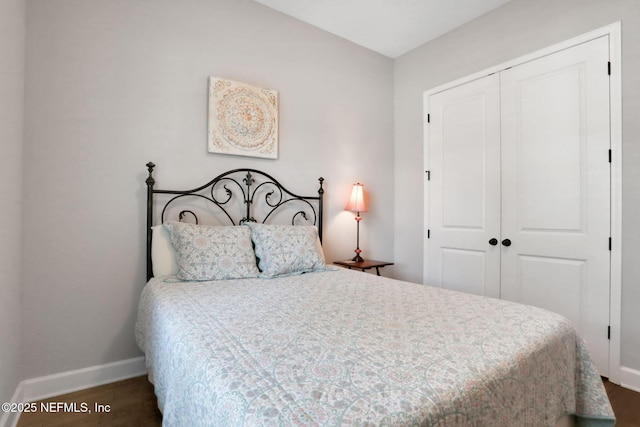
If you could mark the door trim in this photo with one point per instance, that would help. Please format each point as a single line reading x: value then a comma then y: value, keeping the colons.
x: 613, y: 31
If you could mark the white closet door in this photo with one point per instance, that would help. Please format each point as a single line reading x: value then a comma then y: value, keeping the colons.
x: 556, y: 186
x: 464, y: 202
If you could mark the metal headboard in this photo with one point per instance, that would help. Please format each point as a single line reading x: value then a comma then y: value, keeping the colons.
x: 250, y: 188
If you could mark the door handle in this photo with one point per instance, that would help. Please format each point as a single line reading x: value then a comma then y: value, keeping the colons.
x: 493, y: 242
x: 506, y: 242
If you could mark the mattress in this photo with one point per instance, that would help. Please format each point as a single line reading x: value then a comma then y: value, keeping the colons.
x: 348, y: 348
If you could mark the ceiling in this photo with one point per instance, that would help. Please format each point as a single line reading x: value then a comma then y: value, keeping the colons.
x: 389, y: 27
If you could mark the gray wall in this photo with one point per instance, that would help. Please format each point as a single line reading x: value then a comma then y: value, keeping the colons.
x: 515, y: 29
x: 12, y: 41
x: 112, y: 84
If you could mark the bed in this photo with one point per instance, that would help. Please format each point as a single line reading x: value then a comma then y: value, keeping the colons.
x: 293, y: 341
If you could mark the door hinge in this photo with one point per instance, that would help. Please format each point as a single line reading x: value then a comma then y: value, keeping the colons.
x: 428, y: 175
x: 609, y: 68
x: 609, y: 243
x: 609, y: 156
x: 608, y: 332
x: 428, y: 233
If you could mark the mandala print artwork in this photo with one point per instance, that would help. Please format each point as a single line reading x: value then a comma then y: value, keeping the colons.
x: 243, y: 119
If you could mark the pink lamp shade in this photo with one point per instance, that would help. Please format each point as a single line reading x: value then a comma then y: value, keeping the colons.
x: 356, y: 201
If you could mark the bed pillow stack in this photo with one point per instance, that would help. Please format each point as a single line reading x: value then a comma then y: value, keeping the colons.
x: 198, y: 252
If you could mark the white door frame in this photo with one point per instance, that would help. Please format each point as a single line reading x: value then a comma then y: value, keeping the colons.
x: 615, y: 94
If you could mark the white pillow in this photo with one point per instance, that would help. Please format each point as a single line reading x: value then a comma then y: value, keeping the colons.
x: 285, y: 250
x: 212, y: 252
x: 163, y: 256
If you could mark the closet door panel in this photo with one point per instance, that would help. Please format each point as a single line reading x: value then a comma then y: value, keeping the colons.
x: 464, y: 201
x: 555, y: 188
x: 549, y: 151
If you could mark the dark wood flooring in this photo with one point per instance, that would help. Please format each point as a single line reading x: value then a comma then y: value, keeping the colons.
x: 626, y: 405
x: 133, y: 403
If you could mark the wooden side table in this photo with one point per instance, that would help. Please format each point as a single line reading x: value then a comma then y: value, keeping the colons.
x: 364, y: 265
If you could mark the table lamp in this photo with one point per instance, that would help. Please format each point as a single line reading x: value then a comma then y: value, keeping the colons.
x: 356, y: 204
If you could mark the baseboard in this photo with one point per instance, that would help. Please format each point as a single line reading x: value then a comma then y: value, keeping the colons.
x: 630, y: 378
x: 70, y: 381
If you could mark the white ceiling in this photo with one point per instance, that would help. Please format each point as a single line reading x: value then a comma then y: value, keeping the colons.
x: 390, y: 27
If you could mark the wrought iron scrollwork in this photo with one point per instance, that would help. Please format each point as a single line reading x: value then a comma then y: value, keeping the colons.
x: 239, y: 195
x: 185, y: 212
x: 254, y: 188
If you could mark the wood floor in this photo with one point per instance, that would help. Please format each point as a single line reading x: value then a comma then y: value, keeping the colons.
x: 626, y: 405
x: 132, y: 403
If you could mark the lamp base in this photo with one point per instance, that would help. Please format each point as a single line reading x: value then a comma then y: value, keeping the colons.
x: 357, y: 258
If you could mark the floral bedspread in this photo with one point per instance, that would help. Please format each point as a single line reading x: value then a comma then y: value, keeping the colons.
x: 354, y: 349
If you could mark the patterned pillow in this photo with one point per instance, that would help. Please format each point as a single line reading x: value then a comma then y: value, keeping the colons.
x: 284, y: 250
x: 212, y: 253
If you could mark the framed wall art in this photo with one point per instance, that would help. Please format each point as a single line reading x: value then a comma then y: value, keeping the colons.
x: 243, y: 119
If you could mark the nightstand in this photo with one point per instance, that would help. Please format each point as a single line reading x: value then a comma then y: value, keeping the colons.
x: 364, y: 265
